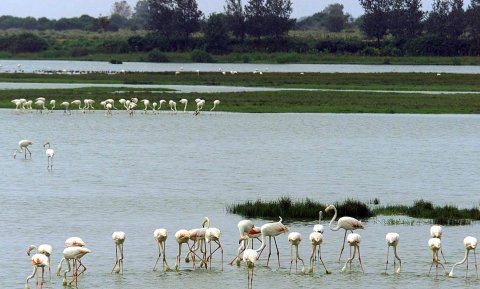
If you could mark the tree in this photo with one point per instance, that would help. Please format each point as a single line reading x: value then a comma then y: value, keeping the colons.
x: 376, y: 18
x: 187, y: 18
x: 141, y: 15
x: 335, y: 18
x: 446, y: 19
x: 160, y: 16
x: 473, y: 20
x: 216, y: 33
x: 406, y: 19
x: 277, y: 17
x: 255, y: 18
x: 122, y: 8
x: 235, y: 18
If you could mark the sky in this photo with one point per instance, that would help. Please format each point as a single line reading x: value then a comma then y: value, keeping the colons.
x: 55, y: 9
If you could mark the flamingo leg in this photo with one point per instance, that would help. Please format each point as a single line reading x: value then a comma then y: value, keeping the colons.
x: 476, y: 266
x: 116, y: 259
x: 441, y: 251
x: 159, y: 255
x: 121, y: 260
x: 278, y: 252
x: 320, y: 257
x: 43, y: 273
x: 360, y: 259
x: 466, y: 272
x: 291, y: 258
x: 165, y: 264
x: 269, y: 249
x: 343, y: 246
x: 386, y: 265
x: 312, y: 259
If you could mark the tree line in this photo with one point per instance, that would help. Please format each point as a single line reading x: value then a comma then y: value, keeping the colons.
x: 390, y: 27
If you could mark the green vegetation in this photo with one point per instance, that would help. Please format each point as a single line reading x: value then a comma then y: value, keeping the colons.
x: 278, y: 101
x: 308, y: 210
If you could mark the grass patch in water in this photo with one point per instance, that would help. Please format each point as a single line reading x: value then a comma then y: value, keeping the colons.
x: 306, y: 209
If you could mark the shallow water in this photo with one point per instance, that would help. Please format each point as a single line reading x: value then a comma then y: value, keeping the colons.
x: 138, y: 174
x: 61, y: 65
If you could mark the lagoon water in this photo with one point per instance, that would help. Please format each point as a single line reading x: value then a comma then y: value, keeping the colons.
x: 150, y: 171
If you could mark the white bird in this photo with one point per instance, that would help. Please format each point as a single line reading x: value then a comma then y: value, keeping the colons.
x: 470, y: 243
x: 435, y: 245
x: 41, y: 105
x: 146, y: 104
x: 38, y: 260
x: 353, y: 240
x: 295, y: 238
x: 52, y: 105
x: 213, y: 235
x: 436, y: 232
x: 65, y: 105
x: 72, y: 254
x: 215, y: 103
x: 23, y: 146
x: 119, y: 239
x: 246, y: 228
x: 184, y: 101
x: 392, y: 240
x: 173, y: 106
x: 272, y: 230
x: 44, y: 249
x: 319, y: 227
x: 77, y: 102
x: 108, y: 107
x: 162, y: 101
x: 316, y: 239
x: 182, y: 237
x: 50, y: 153
x: 250, y: 256
x: 160, y: 236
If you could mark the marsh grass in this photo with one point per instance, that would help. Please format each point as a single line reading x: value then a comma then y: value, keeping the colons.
x: 307, y: 209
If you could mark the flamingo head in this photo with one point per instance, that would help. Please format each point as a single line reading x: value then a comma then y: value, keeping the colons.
x: 328, y: 208
x: 206, y: 220
x: 45, y: 143
x: 243, y: 238
x: 30, y: 249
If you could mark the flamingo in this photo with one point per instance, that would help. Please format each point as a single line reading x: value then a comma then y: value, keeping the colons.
x: 23, y: 146
x: 18, y: 104
x: 77, y: 102
x: 295, y: 238
x: 316, y: 239
x: 119, y: 239
x: 162, y: 101
x: 74, y: 253
x: 246, y: 228
x: 44, y: 249
x: 319, y: 227
x: 250, y: 256
x: 173, y: 106
x: 112, y: 102
x: 272, y: 230
x: 215, y: 103
x: 392, y: 240
x: 470, y: 243
x: 146, y: 103
x: 182, y: 237
x: 213, y: 235
x: 76, y: 242
x: 184, y: 101
x: 436, y: 232
x: 346, y: 223
x: 200, y: 104
x: 65, y: 105
x: 154, y: 107
x: 435, y: 245
x: 198, y: 237
x: 50, y: 153
x: 108, y: 107
x: 161, y: 236
x: 38, y: 260
x: 52, y: 105
x: 41, y: 104
x: 353, y: 240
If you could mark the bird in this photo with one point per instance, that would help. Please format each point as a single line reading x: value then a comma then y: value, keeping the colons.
x: 146, y: 104
x: 197, y: 235
x: 77, y: 102
x: 316, y: 239
x: 76, y: 242
x: 470, y: 243
x: 44, y: 249
x: 119, y: 239
x: 392, y: 240
x: 346, y: 223
x: 108, y: 107
x: 250, y: 256
x: 435, y: 245
x: 111, y: 101
x: 215, y: 103
x: 52, y: 105
x: 353, y: 240
x: 213, y: 235
x: 41, y: 104
x: 272, y: 230
x: 246, y: 228
x: 38, y: 260
x: 50, y: 153
x: 162, y: 101
x: 182, y: 237
x: 436, y: 232
x: 23, y: 146
x: 319, y: 227
x: 200, y: 104
x: 184, y: 101
x: 73, y: 253
x: 173, y: 106
x: 154, y: 107
x: 65, y: 105
x: 295, y: 238
x: 160, y: 236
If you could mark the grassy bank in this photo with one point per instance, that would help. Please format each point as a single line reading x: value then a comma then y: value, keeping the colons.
x: 308, y: 210
x: 275, y: 102
x: 365, y: 81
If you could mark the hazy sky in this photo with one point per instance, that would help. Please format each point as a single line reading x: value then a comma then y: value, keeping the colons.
x: 71, y: 8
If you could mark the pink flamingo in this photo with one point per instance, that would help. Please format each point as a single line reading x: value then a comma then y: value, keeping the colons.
x: 435, y: 245
x: 295, y: 238
x: 272, y: 230
x: 316, y: 239
x: 38, y: 260
x: 392, y: 240
x: 246, y: 228
x: 44, y: 249
x: 182, y: 237
x: 353, y: 240
x: 119, y: 239
x: 470, y: 243
x: 74, y: 254
x: 160, y: 236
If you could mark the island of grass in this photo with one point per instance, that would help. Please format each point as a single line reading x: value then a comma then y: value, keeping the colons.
x: 308, y: 209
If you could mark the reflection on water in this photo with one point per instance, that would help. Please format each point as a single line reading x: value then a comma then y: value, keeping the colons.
x: 146, y: 172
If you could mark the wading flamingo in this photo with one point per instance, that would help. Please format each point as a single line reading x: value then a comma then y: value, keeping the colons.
x: 50, y: 153
x: 76, y: 242
x: 38, y: 260
x: 272, y: 230
x: 184, y: 101
x: 250, y: 256
x: 319, y: 227
x: 435, y: 245
x: 52, y: 105
x: 23, y: 146
x: 316, y: 239
x: 392, y: 240
x: 75, y: 254
x: 246, y: 228
x: 295, y: 238
x: 198, y: 237
x: 346, y: 223
x: 436, y: 232
x: 160, y: 236
x: 182, y: 237
x: 353, y: 240
x: 470, y: 243
x: 213, y: 235
x: 119, y: 239
x: 173, y: 106
x: 146, y: 104
x: 41, y: 105
x: 65, y: 105
x: 162, y: 101
x: 77, y: 102
x: 108, y: 107
x: 215, y: 103
x: 44, y: 249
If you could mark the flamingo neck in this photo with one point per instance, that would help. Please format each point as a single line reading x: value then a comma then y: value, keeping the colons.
x: 333, y: 219
x: 264, y: 243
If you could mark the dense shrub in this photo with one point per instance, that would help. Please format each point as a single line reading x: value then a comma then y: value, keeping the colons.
x: 201, y: 56
x: 24, y: 42
x: 157, y: 56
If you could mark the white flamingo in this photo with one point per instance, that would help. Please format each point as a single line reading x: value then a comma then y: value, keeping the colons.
x: 38, y: 261
x: 316, y: 239
x: 72, y: 254
x: 295, y: 238
x: 392, y: 240
x: 40, y: 104
x: 23, y: 146
x: 65, y: 105
x: 250, y: 256
x: 272, y: 230
x: 182, y: 237
x: 353, y: 240
x: 215, y: 103
x: 436, y: 232
x: 246, y: 228
x: 470, y: 244
x: 52, y: 105
x: 119, y: 239
x: 44, y: 249
x: 50, y: 153
x: 160, y: 103
x: 146, y: 104
x: 160, y: 236
x: 213, y: 235
x: 77, y: 102
x: 184, y: 101
x: 435, y: 245
x: 173, y: 106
